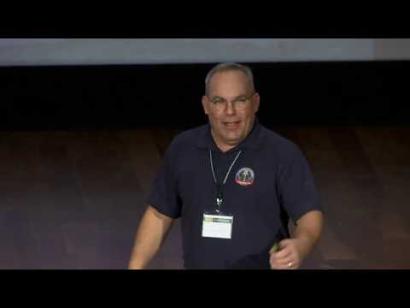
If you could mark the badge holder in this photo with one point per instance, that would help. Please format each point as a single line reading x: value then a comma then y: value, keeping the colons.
x: 216, y: 224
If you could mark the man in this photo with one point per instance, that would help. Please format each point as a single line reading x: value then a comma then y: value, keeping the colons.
x: 234, y: 184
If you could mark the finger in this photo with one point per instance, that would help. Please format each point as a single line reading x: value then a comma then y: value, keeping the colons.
x: 284, y: 261
x: 276, y: 265
x: 280, y: 261
x: 288, y: 264
x: 285, y: 243
x: 279, y: 265
x: 283, y: 253
x: 289, y: 261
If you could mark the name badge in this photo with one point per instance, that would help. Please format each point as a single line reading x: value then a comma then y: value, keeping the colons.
x: 217, y: 226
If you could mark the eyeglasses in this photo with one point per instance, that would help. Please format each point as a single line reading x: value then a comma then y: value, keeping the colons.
x: 239, y: 102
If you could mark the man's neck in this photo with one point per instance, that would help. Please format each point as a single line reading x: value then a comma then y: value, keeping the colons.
x: 223, y: 147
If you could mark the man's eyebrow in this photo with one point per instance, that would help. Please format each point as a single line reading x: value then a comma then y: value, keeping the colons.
x: 216, y: 97
x: 236, y: 97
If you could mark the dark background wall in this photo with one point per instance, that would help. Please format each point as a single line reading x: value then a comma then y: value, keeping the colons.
x: 133, y: 96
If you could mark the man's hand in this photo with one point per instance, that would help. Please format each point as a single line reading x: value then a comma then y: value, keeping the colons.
x: 289, y: 255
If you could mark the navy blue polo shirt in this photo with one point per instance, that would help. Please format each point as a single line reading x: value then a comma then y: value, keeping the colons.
x: 270, y: 182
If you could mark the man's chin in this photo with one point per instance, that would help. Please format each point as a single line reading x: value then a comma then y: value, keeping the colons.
x: 232, y: 141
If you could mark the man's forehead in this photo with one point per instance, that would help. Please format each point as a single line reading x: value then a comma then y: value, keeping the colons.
x: 223, y: 83
x: 229, y: 75
x: 215, y: 95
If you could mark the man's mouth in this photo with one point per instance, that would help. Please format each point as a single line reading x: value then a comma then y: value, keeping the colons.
x: 231, y: 124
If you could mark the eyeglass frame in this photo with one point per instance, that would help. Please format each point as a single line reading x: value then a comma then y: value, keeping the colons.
x: 234, y: 102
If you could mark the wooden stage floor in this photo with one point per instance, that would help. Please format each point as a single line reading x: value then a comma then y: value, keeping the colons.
x: 73, y: 199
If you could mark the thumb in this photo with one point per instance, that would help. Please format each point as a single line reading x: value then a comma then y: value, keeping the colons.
x: 284, y: 243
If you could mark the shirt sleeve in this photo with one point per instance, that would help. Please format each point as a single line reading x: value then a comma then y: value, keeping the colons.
x: 164, y: 196
x: 297, y: 190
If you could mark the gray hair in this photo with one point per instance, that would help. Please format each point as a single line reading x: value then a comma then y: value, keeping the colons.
x: 223, y: 67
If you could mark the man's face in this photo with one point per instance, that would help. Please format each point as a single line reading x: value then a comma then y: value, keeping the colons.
x: 231, y: 106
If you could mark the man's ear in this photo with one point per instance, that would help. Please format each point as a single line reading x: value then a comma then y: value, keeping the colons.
x: 205, y: 103
x: 256, y: 101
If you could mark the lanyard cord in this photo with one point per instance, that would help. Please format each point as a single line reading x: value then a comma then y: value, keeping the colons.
x: 219, y: 198
x: 229, y: 170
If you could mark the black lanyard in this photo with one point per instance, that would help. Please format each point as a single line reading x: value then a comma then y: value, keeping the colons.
x: 219, y: 186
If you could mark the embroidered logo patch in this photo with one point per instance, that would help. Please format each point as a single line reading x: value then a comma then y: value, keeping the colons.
x: 245, y: 176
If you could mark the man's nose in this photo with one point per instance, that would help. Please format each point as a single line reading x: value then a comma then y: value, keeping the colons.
x: 230, y: 108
